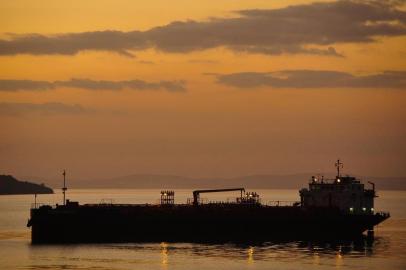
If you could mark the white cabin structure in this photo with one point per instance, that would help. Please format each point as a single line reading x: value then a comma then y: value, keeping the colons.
x: 344, y: 192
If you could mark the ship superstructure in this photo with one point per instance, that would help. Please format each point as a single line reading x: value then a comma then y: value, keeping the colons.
x: 344, y: 192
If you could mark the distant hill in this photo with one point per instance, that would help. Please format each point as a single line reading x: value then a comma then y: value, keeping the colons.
x: 9, y: 185
x: 293, y: 181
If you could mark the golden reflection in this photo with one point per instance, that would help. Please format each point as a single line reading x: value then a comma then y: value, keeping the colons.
x: 250, y: 258
x: 316, y: 258
x: 339, y: 258
x: 164, y: 255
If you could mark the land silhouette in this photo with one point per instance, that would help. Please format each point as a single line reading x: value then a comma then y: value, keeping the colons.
x: 266, y: 181
x: 10, y: 185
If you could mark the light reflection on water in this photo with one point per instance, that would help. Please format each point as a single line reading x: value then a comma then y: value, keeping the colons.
x: 164, y: 252
x: 250, y: 257
x: 388, y: 250
x: 384, y: 251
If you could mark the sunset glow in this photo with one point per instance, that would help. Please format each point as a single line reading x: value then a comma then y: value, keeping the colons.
x: 202, y: 88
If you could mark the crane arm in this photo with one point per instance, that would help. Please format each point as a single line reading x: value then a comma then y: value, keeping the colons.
x: 196, y: 193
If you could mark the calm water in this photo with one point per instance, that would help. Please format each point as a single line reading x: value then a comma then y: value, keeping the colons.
x: 388, y: 250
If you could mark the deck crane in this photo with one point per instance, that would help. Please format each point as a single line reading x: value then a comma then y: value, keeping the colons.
x: 196, y: 193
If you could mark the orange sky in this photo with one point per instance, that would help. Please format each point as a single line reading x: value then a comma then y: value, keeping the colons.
x: 212, y: 128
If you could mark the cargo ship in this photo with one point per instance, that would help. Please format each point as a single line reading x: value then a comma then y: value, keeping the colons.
x: 329, y: 209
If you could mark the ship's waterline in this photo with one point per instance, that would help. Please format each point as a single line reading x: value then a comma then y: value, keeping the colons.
x: 339, y: 208
x: 387, y: 249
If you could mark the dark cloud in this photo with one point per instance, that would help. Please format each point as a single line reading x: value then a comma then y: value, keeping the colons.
x: 51, y: 108
x: 313, y: 79
x: 29, y: 85
x: 14, y: 85
x: 330, y: 51
x: 72, y: 43
x: 309, y: 29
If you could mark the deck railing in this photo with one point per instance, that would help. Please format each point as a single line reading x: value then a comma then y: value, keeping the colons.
x: 282, y: 203
x: 384, y: 214
x: 38, y: 205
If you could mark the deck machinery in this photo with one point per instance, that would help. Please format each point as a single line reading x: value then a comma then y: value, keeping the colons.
x: 341, y: 208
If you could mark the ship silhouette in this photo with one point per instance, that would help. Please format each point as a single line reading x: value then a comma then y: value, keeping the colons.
x: 339, y: 208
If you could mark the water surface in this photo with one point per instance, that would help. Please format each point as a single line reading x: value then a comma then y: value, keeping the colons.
x: 388, y: 250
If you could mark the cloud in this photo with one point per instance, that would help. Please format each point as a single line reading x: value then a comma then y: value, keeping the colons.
x: 13, y: 85
x: 51, y: 108
x: 313, y: 79
x: 72, y: 43
x: 29, y: 85
x: 305, y: 29
x: 146, y: 62
x: 203, y: 61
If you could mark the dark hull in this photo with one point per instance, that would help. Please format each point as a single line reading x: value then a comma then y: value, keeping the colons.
x: 185, y: 223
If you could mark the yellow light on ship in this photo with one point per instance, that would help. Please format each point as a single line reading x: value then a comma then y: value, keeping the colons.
x: 364, y: 209
x: 351, y: 209
x: 338, y: 180
x: 372, y: 209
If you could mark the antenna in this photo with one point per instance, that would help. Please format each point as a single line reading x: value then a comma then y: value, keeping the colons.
x: 64, y: 187
x: 339, y: 165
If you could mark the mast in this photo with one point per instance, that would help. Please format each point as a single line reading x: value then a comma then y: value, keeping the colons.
x: 339, y: 165
x: 64, y: 187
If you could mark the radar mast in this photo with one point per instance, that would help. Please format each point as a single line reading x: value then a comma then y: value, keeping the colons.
x: 339, y: 165
x: 64, y: 189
